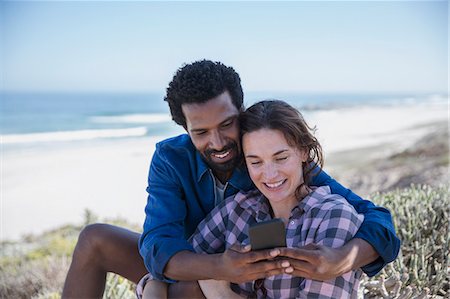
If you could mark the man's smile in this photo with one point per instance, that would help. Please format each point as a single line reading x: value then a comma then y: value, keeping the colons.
x: 222, y: 155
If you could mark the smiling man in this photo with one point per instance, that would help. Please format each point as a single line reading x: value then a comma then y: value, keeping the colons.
x: 218, y: 147
x: 189, y: 175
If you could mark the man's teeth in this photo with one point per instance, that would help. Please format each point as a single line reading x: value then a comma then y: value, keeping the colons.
x: 274, y: 185
x: 221, y: 156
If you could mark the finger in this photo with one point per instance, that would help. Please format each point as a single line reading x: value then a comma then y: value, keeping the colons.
x: 264, y: 270
x: 240, y: 248
x: 299, y: 254
x: 263, y: 267
x: 267, y: 274
x: 260, y: 255
x: 299, y: 265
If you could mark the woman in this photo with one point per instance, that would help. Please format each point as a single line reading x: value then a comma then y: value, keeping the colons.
x: 279, y: 149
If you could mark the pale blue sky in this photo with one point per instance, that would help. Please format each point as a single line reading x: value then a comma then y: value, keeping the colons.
x: 356, y: 46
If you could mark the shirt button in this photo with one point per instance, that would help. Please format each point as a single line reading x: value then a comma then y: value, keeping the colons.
x: 292, y: 222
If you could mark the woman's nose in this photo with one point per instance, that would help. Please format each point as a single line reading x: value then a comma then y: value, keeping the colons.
x: 270, y: 171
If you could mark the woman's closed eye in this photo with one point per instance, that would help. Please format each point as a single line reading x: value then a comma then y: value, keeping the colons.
x: 280, y: 159
x: 254, y: 162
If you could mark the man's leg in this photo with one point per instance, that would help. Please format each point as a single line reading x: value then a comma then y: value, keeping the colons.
x: 102, y: 248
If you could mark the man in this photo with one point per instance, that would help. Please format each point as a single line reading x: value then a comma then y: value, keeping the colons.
x: 189, y: 175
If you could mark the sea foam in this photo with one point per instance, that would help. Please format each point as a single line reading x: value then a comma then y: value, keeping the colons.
x: 72, y: 135
x: 150, y: 118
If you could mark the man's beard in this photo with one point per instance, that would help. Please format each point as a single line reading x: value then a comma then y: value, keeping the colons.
x: 226, y: 166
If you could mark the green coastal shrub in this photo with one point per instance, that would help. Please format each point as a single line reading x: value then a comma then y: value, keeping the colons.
x: 36, y: 267
x: 118, y: 287
x: 421, y: 216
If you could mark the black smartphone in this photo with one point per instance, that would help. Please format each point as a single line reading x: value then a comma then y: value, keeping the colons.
x: 267, y: 234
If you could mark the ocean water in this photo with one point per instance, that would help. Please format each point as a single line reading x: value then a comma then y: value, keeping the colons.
x: 29, y: 119
x: 63, y: 153
x: 49, y: 119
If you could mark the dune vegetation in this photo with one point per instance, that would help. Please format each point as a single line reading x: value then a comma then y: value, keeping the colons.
x: 35, y: 267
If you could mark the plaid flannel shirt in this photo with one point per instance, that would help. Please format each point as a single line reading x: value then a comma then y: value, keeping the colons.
x: 321, y: 217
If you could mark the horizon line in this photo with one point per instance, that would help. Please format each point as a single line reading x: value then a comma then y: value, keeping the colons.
x: 149, y: 91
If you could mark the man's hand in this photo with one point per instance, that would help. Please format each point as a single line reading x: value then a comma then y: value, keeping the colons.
x: 315, y: 262
x: 238, y: 264
x: 324, y: 263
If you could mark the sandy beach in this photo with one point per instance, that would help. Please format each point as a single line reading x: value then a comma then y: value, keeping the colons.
x: 46, y: 186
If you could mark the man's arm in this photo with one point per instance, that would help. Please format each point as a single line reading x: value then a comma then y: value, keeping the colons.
x: 234, y: 265
x: 376, y: 243
x: 163, y: 233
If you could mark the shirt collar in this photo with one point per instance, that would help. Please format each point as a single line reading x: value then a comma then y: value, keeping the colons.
x: 202, y: 167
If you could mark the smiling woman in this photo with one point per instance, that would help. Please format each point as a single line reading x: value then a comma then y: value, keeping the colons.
x: 274, y: 167
x: 281, y: 153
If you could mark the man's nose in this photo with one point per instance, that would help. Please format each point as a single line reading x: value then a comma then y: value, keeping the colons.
x: 217, y: 141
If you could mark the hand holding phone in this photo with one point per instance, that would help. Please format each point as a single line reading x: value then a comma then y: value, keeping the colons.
x: 267, y: 234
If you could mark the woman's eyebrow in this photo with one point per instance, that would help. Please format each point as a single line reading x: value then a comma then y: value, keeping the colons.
x: 275, y: 154
x: 280, y: 152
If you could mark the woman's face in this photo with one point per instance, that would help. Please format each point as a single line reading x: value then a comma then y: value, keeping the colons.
x: 274, y: 166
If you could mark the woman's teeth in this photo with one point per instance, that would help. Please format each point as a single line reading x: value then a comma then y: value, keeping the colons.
x: 274, y: 185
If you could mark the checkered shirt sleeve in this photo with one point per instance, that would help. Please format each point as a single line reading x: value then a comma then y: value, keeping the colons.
x: 209, y: 236
x: 223, y: 227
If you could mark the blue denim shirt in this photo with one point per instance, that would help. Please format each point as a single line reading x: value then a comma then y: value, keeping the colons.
x: 181, y: 194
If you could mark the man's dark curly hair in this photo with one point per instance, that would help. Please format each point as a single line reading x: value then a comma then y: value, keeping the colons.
x: 199, y: 82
